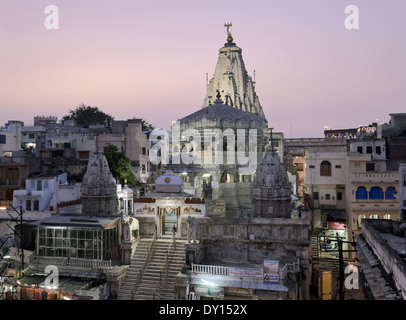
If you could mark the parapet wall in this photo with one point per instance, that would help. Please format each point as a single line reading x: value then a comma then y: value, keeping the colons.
x: 389, y: 258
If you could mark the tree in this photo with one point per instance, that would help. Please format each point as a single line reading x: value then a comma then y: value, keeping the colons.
x: 147, y: 126
x: 119, y: 164
x: 88, y: 115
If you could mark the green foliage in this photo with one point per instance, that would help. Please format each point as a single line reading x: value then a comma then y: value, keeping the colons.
x: 88, y: 115
x: 147, y: 126
x: 120, y: 165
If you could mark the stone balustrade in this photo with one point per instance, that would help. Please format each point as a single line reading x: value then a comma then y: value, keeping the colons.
x: 70, y: 262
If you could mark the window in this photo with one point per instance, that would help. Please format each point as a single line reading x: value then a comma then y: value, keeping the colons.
x: 325, y: 169
x: 2, y: 139
x: 390, y: 193
x: 312, y: 167
x: 370, y: 166
x: 338, y: 166
x: 376, y: 193
x: 327, y: 196
x: 315, y: 196
x: 378, y: 150
x: 143, y: 150
x: 361, y: 193
x: 374, y: 216
x: 387, y: 216
x: 369, y: 150
x: 339, y: 196
x: 359, y: 149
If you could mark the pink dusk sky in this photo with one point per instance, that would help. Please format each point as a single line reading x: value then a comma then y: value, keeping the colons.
x: 149, y: 59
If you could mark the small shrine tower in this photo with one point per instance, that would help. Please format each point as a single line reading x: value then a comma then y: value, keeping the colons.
x: 271, y: 189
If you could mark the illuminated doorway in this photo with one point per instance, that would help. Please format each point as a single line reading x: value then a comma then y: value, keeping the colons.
x: 169, y: 220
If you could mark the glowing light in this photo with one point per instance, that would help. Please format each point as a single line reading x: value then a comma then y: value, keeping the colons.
x: 208, y: 283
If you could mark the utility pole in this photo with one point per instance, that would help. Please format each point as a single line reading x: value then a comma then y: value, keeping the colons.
x: 341, y: 260
x: 21, y: 235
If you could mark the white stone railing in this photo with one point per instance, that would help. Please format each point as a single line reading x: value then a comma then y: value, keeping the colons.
x: 225, y: 271
x: 212, y: 270
x: 71, y: 262
x: 289, y: 268
x: 375, y: 177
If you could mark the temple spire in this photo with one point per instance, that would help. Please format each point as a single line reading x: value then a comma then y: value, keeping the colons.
x: 232, y: 80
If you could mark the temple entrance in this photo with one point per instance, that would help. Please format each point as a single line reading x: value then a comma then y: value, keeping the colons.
x: 169, y: 220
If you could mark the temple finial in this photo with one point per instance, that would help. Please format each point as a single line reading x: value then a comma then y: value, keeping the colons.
x: 228, y: 25
x: 218, y: 96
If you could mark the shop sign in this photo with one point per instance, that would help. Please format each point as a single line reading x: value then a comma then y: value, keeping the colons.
x: 270, y: 271
x: 13, y: 274
x: 245, y: 272
x: 334, y: 225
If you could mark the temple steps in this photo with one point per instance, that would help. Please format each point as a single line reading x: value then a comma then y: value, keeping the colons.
x: 149, y: 286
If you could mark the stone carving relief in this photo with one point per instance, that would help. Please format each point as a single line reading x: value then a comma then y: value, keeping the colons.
x: 130, y: 227
x: 191, y: 210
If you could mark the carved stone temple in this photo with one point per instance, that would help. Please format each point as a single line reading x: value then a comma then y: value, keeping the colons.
x: 228, y: 223
x: 220, y: 228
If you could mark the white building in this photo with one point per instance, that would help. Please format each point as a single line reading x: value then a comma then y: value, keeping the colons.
x: 41, y: 193
x: 32, y: 137
x: 10, y: 140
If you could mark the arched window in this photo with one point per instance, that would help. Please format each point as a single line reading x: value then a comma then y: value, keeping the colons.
x: 376, y: 193
x: 390, y: 193
x: 373, y: 216
x: 361, y: 193
x: 325, y: 169
x: 387, y: 216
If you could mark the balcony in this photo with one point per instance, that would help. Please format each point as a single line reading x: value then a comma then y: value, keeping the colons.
x: 67, y: 263
x: 373, y: 177
x: 21, y: 193
x: 10, y: 182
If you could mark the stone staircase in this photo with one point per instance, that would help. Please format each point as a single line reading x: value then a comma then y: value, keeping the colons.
x: 152, y: 276
x: 314, y: 246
